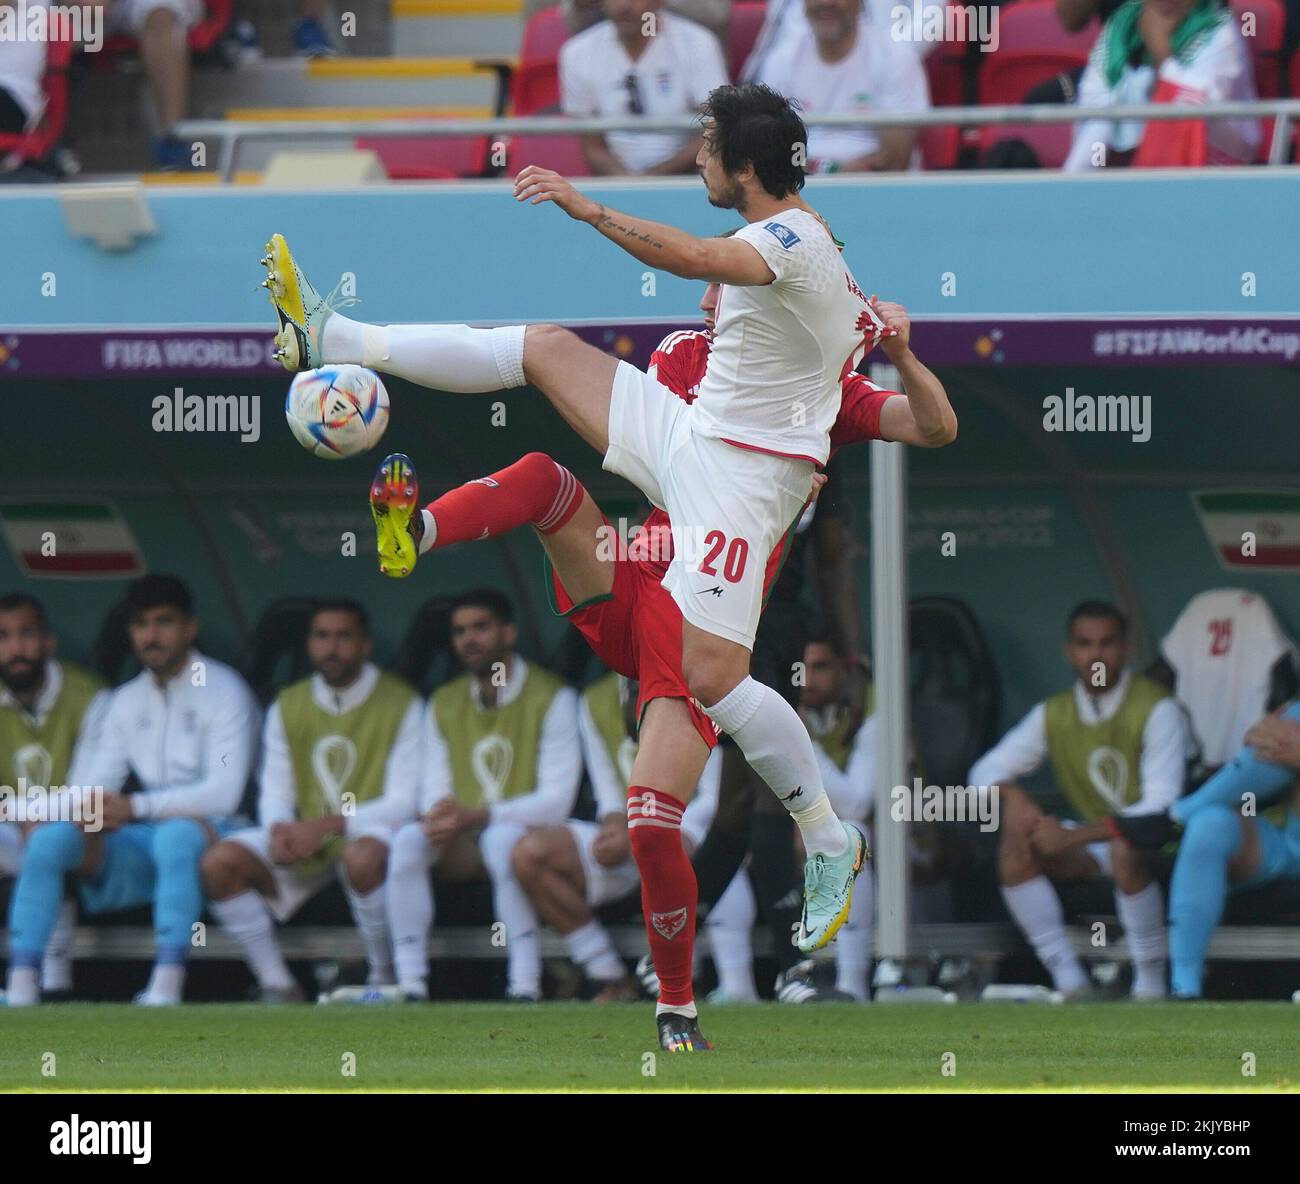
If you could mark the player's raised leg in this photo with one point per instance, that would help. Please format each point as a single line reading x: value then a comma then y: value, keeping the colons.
x: 534, y: 491
x: 574, y: 376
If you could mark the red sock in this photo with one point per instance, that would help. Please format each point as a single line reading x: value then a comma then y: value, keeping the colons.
x: 535, y: 489
x: 668, y: 889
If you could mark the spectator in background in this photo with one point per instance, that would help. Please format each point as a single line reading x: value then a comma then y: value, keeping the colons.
x: 1075, y: 14
x: 582, y: 14
x: 49, y: 710
x: 340, y: 759
x: 841, y: 65
x: 501, y: 754
x: 310, y: 40
x: 1170, y: 51
x: 186, y: 728
x: 1117, y: 741
x: 162, y: 29
x: 571, y: 869
x: 785, y: 22
x: 640, y: 61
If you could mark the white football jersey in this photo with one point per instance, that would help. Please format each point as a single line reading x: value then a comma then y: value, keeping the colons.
x: 1223, y: 647
x: 781, y: 349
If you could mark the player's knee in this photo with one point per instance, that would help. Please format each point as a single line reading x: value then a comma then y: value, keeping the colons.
x: 496, y: 844
x: 709, y: 678
x: 409, y: 849
x: 365, y: 863
x: 179, y: 843
x: 541, y: 342
x: 224, y: 870
x: 54, y: 845
x: 528, y: 858
x: 1212, y: 832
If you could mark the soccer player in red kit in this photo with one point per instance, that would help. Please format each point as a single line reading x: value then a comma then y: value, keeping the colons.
x: 632, y: 622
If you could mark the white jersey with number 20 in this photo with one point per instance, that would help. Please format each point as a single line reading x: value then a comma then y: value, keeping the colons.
x: 780, y: 349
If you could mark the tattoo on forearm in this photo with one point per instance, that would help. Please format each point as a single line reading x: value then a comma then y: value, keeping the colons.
x: 611, y: 226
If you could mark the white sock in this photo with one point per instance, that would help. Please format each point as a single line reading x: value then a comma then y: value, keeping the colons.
x: 408, y: 898
x: 778, y: 748
x: 853, y: 946
x: 369, y: 914
x: 679, y: 1008
x: 166, y: 983
x: 730, y: 928
x: 248, y: 920
x: 24, y: 987
x: 592, y: 948
x: 1037, y: 910
x: 430, y: 535
x: 451, y: 358
x: 1143, y: 918
x: 513, y: 909
x: 56, y: 965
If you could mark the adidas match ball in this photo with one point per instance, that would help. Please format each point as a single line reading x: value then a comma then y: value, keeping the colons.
x: 337, y: 411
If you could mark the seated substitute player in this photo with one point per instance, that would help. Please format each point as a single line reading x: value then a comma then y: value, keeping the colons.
x: 49, y: 710
x: 340, y: 758
x: 186, y: 727
x: 1227, y: 843
x: 616, y: 599
x: 847, y: 757
x: 1117, y: 741
x: 733, y: 469
x: 572, y: 869
x: 501, y: 754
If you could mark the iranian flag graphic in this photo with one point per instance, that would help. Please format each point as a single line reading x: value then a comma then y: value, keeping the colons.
x: 1252, y: 529
x: 71, y: 540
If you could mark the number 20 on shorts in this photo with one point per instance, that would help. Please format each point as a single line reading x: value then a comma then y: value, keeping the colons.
x: 733, y: 563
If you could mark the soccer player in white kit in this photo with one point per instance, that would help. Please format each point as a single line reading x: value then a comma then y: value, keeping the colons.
x: 733, y: 469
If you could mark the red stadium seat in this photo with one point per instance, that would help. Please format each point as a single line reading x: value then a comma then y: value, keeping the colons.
x: 37, y: 142
x: 742, y: 33
x: 202, y: 37
x: 536, y: 83
x: 429, y: 158
x: 561, y: 153
x: 945, y: 70
x: 939, y: 147
x: 1265, y: 44
x: 1050, y: 141
x: 1032, y: 48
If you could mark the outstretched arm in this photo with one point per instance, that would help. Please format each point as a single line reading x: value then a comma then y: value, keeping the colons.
x: 724, y: 260
x: 924, y: 417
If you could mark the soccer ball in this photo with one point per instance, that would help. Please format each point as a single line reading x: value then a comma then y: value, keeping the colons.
x: 337, y: 411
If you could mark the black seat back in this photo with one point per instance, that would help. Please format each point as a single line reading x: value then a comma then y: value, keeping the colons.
x: 956, y: 692
x: 276, y: 651
x: 424, y: 657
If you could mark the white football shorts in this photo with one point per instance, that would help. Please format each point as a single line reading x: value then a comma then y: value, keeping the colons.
x: 731, y: 508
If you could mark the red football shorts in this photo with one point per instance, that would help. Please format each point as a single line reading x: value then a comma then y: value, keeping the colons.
x: 637, y: 630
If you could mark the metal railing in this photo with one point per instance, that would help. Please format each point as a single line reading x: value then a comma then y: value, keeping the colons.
x: 231, y: 133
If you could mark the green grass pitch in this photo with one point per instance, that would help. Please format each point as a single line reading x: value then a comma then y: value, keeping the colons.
x: 1092, y: 1047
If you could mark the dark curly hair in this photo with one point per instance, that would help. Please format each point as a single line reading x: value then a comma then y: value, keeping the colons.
x: 752, y: 124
